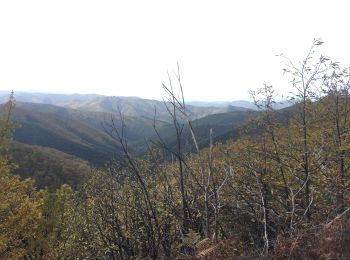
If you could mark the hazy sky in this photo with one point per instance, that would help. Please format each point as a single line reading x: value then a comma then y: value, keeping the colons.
x: 224, y: 48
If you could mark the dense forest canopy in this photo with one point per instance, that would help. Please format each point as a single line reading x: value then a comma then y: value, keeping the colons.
x: 278, y: 188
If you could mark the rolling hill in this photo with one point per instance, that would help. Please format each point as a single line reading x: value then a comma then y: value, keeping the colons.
x: 129, y: 106
x: 67, y: 130
x: 57, y: 144
x: 79, y: 125
x: 48, y: 167
x: 239, y: 103
x: 84, y: 133
x: 225, y: 126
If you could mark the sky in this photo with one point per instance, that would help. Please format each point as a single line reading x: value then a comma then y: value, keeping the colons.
x: 126, y: 48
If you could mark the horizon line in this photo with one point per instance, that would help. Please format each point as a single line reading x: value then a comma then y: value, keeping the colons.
x: 124, y: 96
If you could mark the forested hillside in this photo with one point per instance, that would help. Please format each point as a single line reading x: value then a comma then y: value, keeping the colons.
x: 89, y: 134
x: 129, y: 106
x: 49, y: 168
x: 276, y: 185
x: 66, y: 130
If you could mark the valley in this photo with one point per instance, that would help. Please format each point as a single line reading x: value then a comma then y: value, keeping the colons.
x: 80, y: 125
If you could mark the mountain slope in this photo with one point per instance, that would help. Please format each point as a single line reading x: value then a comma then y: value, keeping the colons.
x: 48, y: 167
x: 79, y: 125
x: 129, y: 106
x: 63, y: 129
x: 225, y: 126
x: 83, y: 134
x: 243, y: 104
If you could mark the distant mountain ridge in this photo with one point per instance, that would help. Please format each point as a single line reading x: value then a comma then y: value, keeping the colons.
x: 66, y: 134
x: 239, y: 103
x: 129, y: 106
x: 79, y: 124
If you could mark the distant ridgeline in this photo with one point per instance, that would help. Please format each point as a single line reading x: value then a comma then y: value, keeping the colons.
x: 64, y: 128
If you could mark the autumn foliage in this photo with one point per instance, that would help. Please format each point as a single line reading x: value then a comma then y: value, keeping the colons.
x: 280, y: 191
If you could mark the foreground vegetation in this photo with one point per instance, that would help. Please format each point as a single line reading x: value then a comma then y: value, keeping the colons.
x: 280, y: 191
